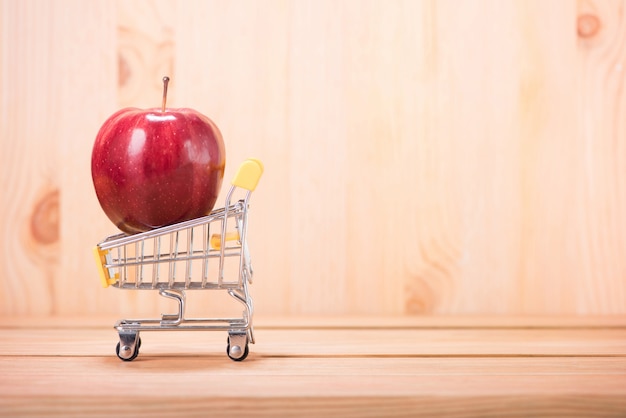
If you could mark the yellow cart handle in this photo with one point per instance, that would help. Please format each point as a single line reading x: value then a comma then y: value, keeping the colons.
x: 105, y: 277
x: 216, y: 239
x: 248, y: 175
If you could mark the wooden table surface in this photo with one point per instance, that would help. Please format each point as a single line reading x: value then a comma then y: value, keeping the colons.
x: 378, y: 367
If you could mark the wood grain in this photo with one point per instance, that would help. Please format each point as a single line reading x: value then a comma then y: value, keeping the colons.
x: 422, y: 157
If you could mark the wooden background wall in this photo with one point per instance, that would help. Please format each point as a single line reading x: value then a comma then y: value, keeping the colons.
x: 422, y: 156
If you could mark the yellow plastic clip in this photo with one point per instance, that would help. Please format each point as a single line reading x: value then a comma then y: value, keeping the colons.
x: 216, y: 239
x: 248, y: 175
x: 105, y: 277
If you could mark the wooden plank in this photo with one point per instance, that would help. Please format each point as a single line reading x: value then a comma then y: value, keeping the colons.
x: 87, y: 66
x: 147, y: 379
x: 220, y: 366
x: 374, y: 406
x: 328, y: 343
x: 50, y: 107
x: 440, y: 322
x: 599, y: 197
x: 318, y: 157
x: 29, y: 212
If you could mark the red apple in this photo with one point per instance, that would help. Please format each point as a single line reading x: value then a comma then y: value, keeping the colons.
x: 155, y: 167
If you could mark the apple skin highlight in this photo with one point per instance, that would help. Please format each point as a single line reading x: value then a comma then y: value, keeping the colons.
x: 152, y: 168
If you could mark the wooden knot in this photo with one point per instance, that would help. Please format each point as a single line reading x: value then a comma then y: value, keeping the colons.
x: 44, y: 221
x: 123, y: 71
x: 588, y: 25
x: 420, y: 297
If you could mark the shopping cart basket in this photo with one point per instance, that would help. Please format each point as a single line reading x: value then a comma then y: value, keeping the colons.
x: 207, y: 253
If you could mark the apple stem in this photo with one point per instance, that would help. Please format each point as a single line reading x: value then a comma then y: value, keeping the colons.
x: 166, y: 80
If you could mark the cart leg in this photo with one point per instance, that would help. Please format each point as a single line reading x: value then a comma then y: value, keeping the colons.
x: 251, y: 334
x: 237, y: 348
x: 179, y: 296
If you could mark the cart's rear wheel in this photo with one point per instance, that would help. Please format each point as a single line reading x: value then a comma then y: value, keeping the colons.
x: 133, y: 356
x: 237, y: 352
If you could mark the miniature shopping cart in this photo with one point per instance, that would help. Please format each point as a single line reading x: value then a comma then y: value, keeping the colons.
x: 207, y: 253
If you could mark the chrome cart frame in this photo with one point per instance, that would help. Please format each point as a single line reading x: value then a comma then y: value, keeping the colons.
x: 208, y: 253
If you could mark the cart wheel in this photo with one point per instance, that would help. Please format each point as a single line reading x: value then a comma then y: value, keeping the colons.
x: 133, y: 356
x: 236, y: 353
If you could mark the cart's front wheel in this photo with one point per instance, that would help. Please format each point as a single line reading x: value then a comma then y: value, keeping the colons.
x: 237, y: 347
x: 126, y: 353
